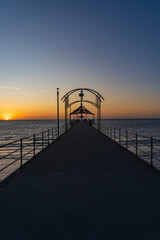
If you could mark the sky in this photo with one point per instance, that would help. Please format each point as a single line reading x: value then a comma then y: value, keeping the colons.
x: 111, y: 46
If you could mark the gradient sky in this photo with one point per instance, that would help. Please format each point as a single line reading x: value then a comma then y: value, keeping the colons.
x: 112, y: 46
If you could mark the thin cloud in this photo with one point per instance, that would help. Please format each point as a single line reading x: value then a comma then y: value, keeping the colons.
x: 13, y: 88
x: 40, y: 91
x: 36, y: 93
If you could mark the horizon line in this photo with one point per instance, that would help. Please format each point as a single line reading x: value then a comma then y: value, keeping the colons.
x: 49, y: 119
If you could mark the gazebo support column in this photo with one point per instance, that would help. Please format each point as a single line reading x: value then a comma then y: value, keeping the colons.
x: 66, y: 112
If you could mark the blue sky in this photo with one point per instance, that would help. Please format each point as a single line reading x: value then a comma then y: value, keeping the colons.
x: 110, y: 46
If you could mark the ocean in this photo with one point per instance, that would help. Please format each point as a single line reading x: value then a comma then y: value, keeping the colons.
x: 140, y: 136
x: 14, y: 130
x: 147, y: 127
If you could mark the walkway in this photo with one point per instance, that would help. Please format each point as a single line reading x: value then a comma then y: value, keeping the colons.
x: 84, y: 186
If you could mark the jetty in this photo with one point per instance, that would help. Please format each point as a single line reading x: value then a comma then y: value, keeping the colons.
x: 83, y: 186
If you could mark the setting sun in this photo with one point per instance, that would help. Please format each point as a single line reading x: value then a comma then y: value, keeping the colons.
x: 6, y: 116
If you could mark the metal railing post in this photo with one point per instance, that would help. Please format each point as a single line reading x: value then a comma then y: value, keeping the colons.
x: 126, y: 140
x: 57, y: 133
x: 42, y: 139
x: 21, y: 152
x: 119, y: 136
x: 114, y: 134
x: 136, y: 145
x: 151, y: 152
x: 48, y: 136
x: 34, y: 146
x: 107, y: 131
x: 52, y: 134
x: 58, y: 112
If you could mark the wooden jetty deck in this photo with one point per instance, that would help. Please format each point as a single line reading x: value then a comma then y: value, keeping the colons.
x: 84, y: 186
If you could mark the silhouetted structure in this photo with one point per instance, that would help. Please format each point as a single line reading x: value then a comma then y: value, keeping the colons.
x: 82, y: 110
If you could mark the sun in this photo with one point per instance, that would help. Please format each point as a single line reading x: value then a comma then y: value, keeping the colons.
x: 6, y: 116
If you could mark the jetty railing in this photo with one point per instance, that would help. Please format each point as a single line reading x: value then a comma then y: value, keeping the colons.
x: 15, y: 154
x: 147, y: 148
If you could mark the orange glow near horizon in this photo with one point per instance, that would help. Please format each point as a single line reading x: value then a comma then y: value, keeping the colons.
x: 111, y: 111
x: 27, y: 115
x: 116, y: 105
x: 6, y: 116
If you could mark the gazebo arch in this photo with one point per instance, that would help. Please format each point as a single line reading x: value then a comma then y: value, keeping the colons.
x: 97, y: 103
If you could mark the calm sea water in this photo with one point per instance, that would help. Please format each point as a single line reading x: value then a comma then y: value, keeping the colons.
x: 147, y: 127
x: 14, y: 130
x: 141, y: 144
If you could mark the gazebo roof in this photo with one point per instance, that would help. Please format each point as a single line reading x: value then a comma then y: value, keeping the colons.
x: 80, y: 110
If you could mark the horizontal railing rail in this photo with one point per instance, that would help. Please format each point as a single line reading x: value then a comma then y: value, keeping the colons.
x: 147, y: 148
x: 15, y: 154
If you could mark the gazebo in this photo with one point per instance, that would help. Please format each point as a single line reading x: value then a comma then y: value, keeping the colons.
x: 81, y: 110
